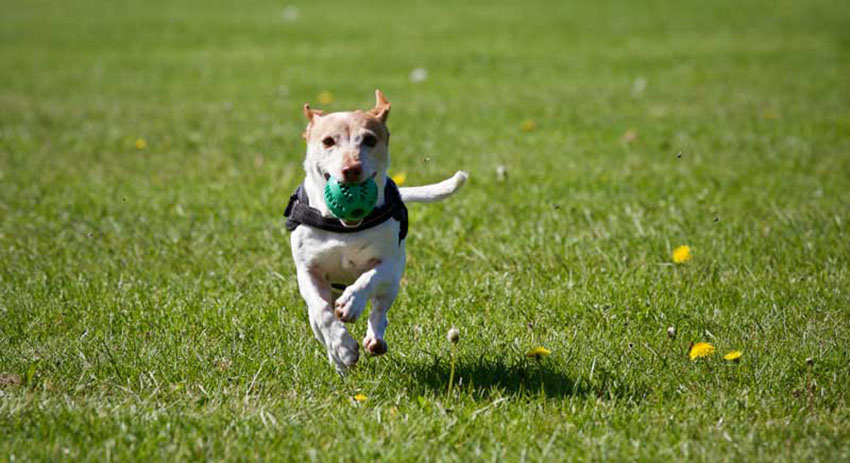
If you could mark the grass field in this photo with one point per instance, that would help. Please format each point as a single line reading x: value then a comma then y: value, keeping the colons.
x: 148, y: 306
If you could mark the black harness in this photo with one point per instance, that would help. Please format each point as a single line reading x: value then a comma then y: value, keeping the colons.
x: 298, y: 212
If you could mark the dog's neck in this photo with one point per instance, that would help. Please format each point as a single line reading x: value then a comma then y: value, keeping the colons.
x: 314, y: 185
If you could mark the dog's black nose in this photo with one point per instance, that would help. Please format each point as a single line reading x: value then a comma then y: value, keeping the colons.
x: 351, y: 173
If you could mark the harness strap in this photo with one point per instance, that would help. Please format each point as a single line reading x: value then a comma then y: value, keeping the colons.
x: 298, y: 212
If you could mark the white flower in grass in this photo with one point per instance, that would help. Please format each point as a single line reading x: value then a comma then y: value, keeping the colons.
x: 418, y: 75
x: 290, y: 13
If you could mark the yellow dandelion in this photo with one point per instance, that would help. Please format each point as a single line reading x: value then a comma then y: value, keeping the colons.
x: 141, y: 143
x: 360, y: 397
x: 399, y: 178
x: 630, y: 136
x: 700, y: 350
x: 770, y: 113
x: 326, y: 97
x: 733, y: 356
x: 528, y: 125
x: 682, y: 254
x: 538, y: 352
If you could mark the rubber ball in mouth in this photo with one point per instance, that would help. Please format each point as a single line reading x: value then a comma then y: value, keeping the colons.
x: 351, y: 201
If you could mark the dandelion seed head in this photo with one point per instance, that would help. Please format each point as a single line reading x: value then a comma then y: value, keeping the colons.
x: 638, y: 86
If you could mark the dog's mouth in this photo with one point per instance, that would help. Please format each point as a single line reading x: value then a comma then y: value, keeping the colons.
x: 345, y: 223
x: 327, y: 176
x: 348, y: 224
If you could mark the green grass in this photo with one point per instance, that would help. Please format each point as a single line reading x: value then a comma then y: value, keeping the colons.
x: 148, y: 306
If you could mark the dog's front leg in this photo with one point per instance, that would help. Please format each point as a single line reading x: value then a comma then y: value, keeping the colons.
x: 380, y: 283
x: 343, y: 350
x: 350, y: 304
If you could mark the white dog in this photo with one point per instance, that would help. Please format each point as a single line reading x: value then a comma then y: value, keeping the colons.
x: 342, y: 265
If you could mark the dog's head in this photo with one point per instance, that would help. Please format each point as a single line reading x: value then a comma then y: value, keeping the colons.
x: 350, y: 146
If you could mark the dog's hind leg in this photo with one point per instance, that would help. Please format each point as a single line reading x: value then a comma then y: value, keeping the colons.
x: 343, y: 350
x: 374, y: 342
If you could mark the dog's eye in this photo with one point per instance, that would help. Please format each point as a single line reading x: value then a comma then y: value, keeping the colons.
x: 328, y: 142
x: 370, y: 140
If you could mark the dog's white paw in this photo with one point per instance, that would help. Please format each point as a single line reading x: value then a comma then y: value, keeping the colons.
x: 349, y: 306
x: 345, y: 353
x: 375, y: 346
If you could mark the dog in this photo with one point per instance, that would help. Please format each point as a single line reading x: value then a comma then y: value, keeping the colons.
x: 342, y: 265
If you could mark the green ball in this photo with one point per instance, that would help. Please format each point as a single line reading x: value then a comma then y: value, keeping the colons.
x: 351, y: 202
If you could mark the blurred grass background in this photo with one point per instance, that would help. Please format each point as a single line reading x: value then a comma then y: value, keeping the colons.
x: 148, y: 309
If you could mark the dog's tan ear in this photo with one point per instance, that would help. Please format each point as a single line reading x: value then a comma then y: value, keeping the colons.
x: 382, y: 107
x: 310, y: 114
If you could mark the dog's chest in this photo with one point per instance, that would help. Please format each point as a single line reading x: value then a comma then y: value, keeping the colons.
x: 343, y: 257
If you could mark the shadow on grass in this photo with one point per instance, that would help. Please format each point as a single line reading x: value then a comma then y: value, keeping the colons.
x: 482, y: 377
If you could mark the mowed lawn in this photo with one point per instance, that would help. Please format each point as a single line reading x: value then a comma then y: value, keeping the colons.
x: 148, y: 305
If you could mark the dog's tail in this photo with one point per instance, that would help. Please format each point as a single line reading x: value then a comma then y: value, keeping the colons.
x: 435, y: 191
